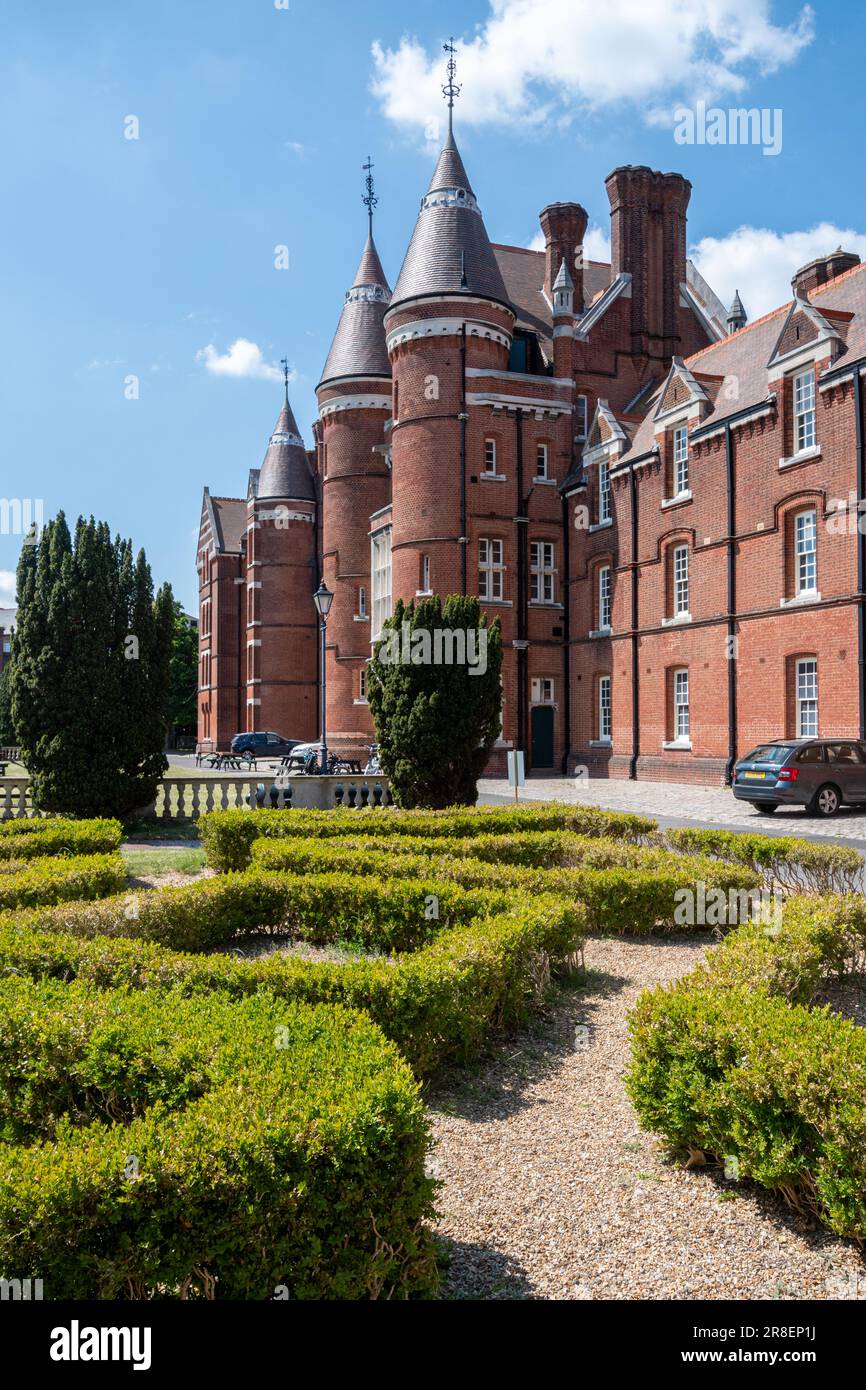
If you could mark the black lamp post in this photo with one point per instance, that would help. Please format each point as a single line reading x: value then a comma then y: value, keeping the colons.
x: 323, y: 598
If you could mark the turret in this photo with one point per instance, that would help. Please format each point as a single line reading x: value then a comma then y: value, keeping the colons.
x: 354, y: 398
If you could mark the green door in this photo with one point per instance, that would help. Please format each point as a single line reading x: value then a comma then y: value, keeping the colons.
x: 542, y: 736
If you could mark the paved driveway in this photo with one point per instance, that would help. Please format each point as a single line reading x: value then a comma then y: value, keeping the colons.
x: 673, y: 804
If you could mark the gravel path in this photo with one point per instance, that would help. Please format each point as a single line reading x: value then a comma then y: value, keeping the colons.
x: 551, y: 1190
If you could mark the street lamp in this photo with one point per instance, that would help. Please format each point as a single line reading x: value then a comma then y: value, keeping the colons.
x: 323, y: 598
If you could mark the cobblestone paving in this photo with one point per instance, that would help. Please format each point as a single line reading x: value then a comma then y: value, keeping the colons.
x: 701, y: 805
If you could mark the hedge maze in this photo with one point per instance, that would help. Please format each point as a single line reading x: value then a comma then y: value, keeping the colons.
x: 184, y: 1114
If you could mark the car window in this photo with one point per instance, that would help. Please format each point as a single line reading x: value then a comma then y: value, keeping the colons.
x: 812, y: 754
x: 769, y: 753
x: 843, y: 753
x: 274, y: 738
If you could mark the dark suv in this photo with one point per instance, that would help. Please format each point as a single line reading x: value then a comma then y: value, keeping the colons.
x: 816, y: 773
x: 263, y: 745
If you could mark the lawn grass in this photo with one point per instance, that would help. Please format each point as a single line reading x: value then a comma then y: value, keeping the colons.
x: 147, y: 862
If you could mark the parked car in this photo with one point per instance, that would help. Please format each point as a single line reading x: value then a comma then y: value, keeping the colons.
x: 300, y: 756
x: 263, y: 745
x: 820, y: 774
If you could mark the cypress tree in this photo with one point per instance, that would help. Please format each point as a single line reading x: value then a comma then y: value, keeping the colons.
x: 90, y: 672
x: 436, y: 720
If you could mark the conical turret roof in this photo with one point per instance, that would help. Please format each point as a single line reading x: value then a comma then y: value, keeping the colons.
x: 359, y: 346
x: 285, y: 471
x: 450, y: 250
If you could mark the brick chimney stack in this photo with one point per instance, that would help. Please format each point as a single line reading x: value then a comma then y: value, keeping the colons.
x: 564, y: 227
x: 823, y: 269
x: 648, y: 240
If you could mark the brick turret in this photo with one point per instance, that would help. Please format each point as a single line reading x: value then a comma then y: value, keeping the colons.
x: 354, y: 406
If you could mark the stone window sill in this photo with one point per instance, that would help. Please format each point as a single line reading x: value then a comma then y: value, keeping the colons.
x: 798, y: 600
x: 677, y: 620
x: 600, y: 742
x: 359, y: 702
x: 423, y: 593
x: 493, y: 477
x: 600, y: 525
x: 496, y: 602
x: 544, y: 482
x: 678, y: 501
x: 544, y: 603
x: 361, y: 618
x: 678, y: 745
x: 600, y: 632
x: 809, y: 455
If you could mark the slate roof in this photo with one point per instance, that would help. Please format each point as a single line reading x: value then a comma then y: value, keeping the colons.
x: 450, y: 251
x: 743, y: 356
x: 285, y: 471
x: 523, y: 273
x: 229, y: 522
x: 359, y: 346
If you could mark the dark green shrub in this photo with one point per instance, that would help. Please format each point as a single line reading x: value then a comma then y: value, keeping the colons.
x: 198, y: 1147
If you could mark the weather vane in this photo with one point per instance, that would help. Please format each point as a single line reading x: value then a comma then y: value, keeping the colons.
x: 284, y: 362
x: 451, y: 88
x: 370, y: 200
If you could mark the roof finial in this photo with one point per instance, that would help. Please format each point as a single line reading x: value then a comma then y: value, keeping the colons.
x: 284, y: 362
x: 370, y: 200
x: 451, y: 89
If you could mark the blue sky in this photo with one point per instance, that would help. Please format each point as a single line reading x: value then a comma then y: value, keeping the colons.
x: 152, y: 257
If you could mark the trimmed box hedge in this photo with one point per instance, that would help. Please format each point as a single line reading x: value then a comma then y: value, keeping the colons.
x: 795, y: 864
x: 617, y: 899
x: 32, y: 839
x: 44, y: 881
x: 733, y: 1062
x: 441, y: 1003
x: 229, y: 835
x: 391, y: 914
x: 202, y: 1147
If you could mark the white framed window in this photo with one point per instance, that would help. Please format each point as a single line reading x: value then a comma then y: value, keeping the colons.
x: 604, y: 598
x: 362, y: 683
x: 491, y: 568
x: 362, y: 601
x: 603, y: 490
x: 807, y: 697
x: 581, y: 418
x: 425, y: 574
x: 605, y: 721
x: 542, y: 690
x: 804, y: 410
x: 681, y: 580
x: 541, y: 461
x: 490, y: 465
x: 380, y: 569
x: 681, y: 704
x: 806, y: 552
x: 542, y: 572
x: 681, y: 459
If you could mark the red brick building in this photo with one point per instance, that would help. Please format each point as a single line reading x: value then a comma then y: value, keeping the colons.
x: 638, y: 485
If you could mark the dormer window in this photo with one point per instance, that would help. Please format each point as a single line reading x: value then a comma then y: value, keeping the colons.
x: 681, y: 460
x: 804, y: 410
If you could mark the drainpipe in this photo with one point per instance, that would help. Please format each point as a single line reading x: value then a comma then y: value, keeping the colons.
x: 522, y: 641
x: 635, y: 654
x: 566, y: 641
x: 732, y: 605
x: 861, y: 551
x: 463, y: 417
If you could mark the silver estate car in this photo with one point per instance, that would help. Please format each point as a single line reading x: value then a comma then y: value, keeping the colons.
x: 819, y: 774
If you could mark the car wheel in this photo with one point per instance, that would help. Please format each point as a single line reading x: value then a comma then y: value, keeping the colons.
x: 826, y: 801
x: 767, y: 810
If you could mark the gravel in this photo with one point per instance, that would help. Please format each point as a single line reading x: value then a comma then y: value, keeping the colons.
x: 550, y: 1190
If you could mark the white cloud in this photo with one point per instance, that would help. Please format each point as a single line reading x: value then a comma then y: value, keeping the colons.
x: 296, y: 148
x: 759, y: 262
x: 535, y: 60
x: 596, y: 244
x: 7, y: 589
x: 243, y: 359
